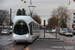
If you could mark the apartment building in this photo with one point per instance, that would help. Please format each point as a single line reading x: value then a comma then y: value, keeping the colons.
x: 71, y: 19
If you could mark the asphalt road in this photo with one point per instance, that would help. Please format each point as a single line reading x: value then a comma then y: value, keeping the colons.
x: 39, y: 44
x: 49, y: 44
x: 5, y: 41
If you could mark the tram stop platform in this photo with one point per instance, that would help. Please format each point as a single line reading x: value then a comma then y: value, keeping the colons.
x: 50, y: 37
x: 47, y: 35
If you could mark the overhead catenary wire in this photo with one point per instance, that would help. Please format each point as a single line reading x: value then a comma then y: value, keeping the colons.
x: 47, y: 2
x: 50, y: 2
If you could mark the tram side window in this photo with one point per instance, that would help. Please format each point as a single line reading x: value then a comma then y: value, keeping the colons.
x: 36, y: 28
x: 30, y: 25
x: 33, y: 27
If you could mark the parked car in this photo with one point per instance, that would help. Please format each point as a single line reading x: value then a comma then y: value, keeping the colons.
x: 69, y: 33
x: 53, y: 31
x: 49, y: 31
x: 62, y: 31
x: 5, y: 31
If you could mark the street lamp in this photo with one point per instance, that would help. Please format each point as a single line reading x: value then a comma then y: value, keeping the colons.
x: 31, y: 9
x: 69, y: 2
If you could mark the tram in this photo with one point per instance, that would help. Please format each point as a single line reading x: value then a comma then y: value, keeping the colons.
x: 25, y: 29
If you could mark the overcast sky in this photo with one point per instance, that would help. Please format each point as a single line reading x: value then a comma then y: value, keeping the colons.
x: 43, y: 7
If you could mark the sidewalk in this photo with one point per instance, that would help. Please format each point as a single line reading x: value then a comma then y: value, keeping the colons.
x: 47, y: 35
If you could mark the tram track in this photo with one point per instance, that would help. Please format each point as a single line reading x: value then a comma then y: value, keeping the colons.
x: 17, y: 46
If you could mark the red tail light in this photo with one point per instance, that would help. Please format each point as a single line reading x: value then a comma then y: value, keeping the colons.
x: 67, y: 33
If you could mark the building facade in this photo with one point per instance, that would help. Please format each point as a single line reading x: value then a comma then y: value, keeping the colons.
x: 71, y: 19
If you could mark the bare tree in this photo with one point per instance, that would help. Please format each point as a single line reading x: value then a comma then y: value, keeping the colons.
x: 4, y: 14
x: 52, y: 22
x: 61, y: 13
x: 37, y: 18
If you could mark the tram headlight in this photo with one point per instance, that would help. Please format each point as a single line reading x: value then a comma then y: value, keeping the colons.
x: 13, y: 35
x: 27, y: 35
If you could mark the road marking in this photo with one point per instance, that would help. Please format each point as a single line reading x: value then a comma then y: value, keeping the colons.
x: 7, y: 39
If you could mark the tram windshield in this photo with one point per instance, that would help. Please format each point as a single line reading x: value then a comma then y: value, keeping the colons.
x: 21, y: 28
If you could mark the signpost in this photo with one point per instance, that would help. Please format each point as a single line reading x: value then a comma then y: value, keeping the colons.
x: 56, y: 30
x: 44, y: 28
x: 56, y: 26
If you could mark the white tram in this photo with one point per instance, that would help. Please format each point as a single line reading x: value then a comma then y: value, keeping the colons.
x: 25, y: 29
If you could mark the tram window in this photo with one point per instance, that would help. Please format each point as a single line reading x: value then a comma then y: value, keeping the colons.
x: 74, y: 13
x: 21, y: 28
x: 74, y: 21
x: 73, y: 29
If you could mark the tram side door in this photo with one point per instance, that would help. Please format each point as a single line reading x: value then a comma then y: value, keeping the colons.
x: 30, y: 25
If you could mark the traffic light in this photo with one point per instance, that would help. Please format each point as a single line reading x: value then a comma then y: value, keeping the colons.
x: 74, y: 0
x: 56, y: 26
x: 73, y: 26
x: 54, y: 16
x: 21, y: 0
